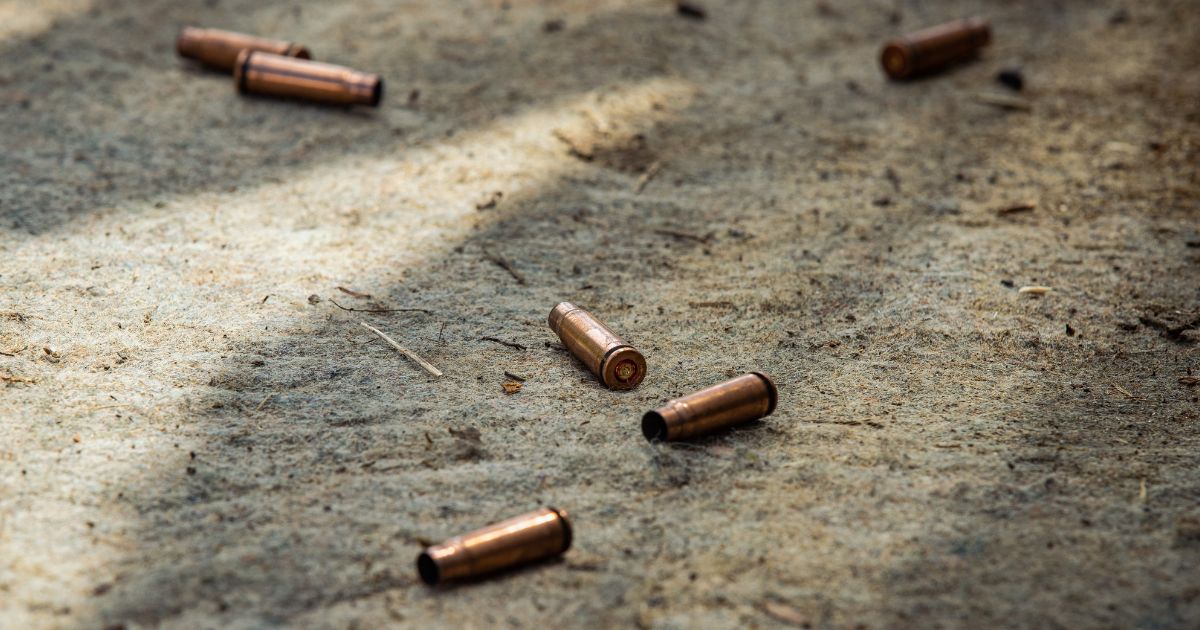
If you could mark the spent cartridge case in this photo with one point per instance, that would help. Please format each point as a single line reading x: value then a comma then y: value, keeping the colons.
x: 277, y: 75
x: 618, y: 364
x: 935, y: 48
x: 220, y: 49
x: 539, y: 534
x: 742, y: 399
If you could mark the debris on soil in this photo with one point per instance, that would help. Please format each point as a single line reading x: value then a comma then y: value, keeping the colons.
x: 703, y: 240
x: 721, y: 304
x: 1034, y: 290
x: 690, y: 10
x: 1003, y: 101
x: 380, y: 310
x: 578, y: 146
x: 651, y: 171
x: 621, y: 151
x: 1124, y: 392
x: 1012, y: 78
x: 1070, y: 331
x: 355, y: 294
x: 13, y: 315
x: 553, y: 26
x: 1187, y: 529
x: 510, y: 344
x: 785, y: 613
x: 520, y: 379
x: 511, y: 387
x: 1189, y: 380
x: 470, y: 434
x: 405, y: 351
x: 504, y: 264
x: 9, y: 378
x: 490, y: 202
x: 1173, y: 324
x: 314, y: 299
x: 1020, y: 206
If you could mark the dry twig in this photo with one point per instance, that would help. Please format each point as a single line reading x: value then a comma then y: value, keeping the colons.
x: 354, y: 293
x: 405, y: 351
x: 1022, y: 206
x: 651, y: 171
x: 510, y: 344
x: 703, y: 240
x: 504, y: 264
x: 381, y: 310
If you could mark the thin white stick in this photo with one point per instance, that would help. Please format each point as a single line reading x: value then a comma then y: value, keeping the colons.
x: 405, y: 351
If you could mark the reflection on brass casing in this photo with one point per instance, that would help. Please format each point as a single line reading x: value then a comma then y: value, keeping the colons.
x: 742, y: 399
x: 526, y: 538
x: 935, y: 48
x: 618, y: 364
x: 220, y: 49
x: 276, y: 75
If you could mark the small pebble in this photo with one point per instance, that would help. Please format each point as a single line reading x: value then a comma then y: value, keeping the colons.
x: 1011, y: 78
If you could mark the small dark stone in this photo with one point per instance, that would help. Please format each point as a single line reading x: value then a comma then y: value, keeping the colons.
x: 1012, y: 78
x: 691, y: 10
x: 1070, y: 331
x: 1121, y: 16
x: 1007, y: 283
x: 553, y: 26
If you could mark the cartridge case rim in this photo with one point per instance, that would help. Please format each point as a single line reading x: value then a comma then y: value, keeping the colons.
x: 618, y: 359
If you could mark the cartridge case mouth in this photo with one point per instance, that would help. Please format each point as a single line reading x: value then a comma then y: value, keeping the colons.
x: 428, y: 569
x: 527, y: 538
x: 736, y: 401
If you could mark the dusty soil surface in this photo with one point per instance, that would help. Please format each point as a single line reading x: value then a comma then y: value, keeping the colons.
x: 195, y: 430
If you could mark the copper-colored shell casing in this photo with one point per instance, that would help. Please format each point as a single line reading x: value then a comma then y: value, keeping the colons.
x: 935, y: 48
x: 539, y: 534
x: 220, y: 49
x: 618, y: 364
x: 276, y: 75
x: 742, y: 399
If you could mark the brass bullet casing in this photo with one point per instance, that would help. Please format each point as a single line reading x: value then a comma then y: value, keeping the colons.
x: 539, y: 534
x: 935, y: 48
x: 277, y: 75
x: 742, y: 399
x: 618, y: 364
x: 220, y: 49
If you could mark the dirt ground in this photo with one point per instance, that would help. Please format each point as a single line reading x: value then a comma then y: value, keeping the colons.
x: 196, y: 432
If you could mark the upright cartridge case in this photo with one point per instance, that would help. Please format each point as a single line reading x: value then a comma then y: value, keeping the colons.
x: 935, y: 48
x: 220, y: 49
x: 618, y: 364
x: 277, y: 75
x: 742, y: 399
x: 539, y: 534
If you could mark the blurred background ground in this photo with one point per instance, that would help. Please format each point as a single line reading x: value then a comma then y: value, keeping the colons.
x: 195, y: 432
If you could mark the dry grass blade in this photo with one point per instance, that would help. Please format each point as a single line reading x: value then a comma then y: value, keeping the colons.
x: 405, y: 351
